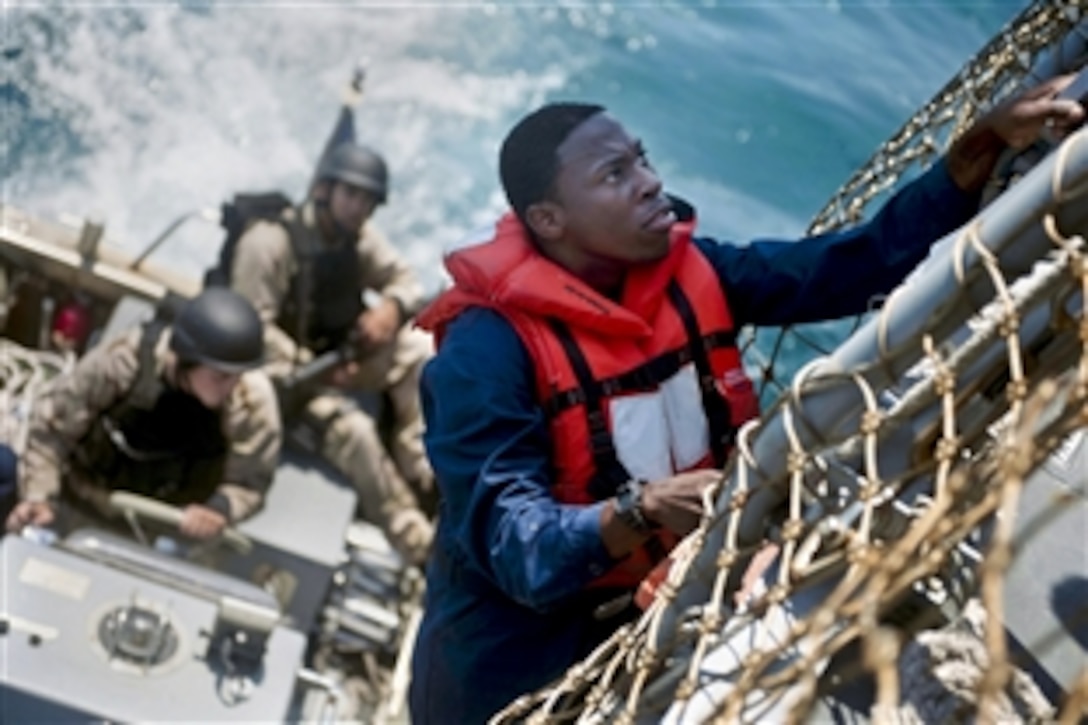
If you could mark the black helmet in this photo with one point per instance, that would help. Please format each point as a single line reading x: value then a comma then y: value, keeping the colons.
x: 219, y: 328
x: 358, y: 166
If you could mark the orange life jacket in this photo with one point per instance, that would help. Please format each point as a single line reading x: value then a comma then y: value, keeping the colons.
x: 644, y: 388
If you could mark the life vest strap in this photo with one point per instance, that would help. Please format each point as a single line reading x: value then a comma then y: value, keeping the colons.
x: 716, y: 407
x: 610, y: 472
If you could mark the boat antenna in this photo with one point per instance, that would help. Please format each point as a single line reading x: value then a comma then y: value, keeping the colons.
x: 353, y: 92
x: 344, y: 128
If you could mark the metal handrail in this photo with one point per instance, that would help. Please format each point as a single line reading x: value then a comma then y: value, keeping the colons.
x: 207, y: 214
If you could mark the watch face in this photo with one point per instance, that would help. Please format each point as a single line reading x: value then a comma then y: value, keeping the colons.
x: 628, y: 506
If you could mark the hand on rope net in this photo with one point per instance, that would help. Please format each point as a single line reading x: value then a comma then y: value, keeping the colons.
x: 889, y: 478
x: 1047, y: 39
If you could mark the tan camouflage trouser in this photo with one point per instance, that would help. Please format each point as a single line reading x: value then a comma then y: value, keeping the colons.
x: 389, y: 481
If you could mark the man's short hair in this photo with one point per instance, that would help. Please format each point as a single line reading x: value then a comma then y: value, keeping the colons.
x: 528, y: 161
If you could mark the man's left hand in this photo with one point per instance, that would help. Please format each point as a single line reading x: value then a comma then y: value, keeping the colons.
x: 201, y: 522
x: 378, y: 326
x: 1019, y: 121
x: 1015, y: 123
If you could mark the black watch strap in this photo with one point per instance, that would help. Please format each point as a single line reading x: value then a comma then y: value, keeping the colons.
x: 629, y: 507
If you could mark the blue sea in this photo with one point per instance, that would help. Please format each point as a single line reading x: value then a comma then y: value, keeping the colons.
x: 138, y: 113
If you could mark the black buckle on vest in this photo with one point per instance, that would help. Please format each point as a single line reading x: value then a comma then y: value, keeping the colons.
x: 559, y: 401
x: 573, y: 397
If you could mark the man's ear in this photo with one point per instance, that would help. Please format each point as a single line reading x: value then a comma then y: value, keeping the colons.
x: 546, y: 220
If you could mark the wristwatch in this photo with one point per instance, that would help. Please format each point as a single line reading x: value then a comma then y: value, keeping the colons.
x: 629, y: 506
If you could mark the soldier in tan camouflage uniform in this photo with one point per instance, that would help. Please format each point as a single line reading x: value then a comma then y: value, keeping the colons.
x: 177, y: 414
x: 306, y: 274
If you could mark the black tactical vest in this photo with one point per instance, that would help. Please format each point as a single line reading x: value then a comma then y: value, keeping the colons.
x: 325, y: 297
x: 157, y: 441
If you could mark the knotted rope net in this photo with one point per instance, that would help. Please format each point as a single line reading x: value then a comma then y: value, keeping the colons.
x: 889, y: 473
x: 23, y: 371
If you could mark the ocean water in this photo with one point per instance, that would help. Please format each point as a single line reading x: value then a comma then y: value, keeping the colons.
x: 137, y: 113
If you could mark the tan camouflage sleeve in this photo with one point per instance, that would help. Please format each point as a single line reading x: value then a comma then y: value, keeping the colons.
x: 63, y: 413
x: 254, y: 430
x: 386, y: 272
x: 261, y: 272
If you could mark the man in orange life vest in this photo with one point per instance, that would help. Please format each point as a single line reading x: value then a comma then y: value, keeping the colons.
x: 587, y: 385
